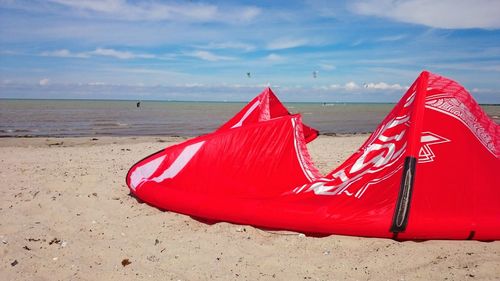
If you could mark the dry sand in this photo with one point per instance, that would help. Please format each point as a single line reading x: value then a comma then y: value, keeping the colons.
x: 66, y: 214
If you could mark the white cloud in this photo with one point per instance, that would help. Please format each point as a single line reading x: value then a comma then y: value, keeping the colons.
x: 44, y: 82
x: 350, y: 86
x: 449, y: 14
x: 9, y: 52
x: 483, y: 90
x: 358, y: 42
x: 97, y: 84
x: 383, y: 86
x: 64, y: 53
x: 112, y: 53
x: 249, y: 13
x: 208, y: 56
x: 119, y: 54
x: 391, y: 38
x: 229, y: 45
x: 161, y: 11
x: 286, y: 43
x: 328, y: 67
x: 331, y: 87
x: 274, y: 57
x: 191, y: 85
x: 95, y: 5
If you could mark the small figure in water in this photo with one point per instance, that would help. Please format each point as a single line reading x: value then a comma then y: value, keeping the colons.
x: 138, y: 104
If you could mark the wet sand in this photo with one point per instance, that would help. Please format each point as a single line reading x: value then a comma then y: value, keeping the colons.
x: 66, y: 214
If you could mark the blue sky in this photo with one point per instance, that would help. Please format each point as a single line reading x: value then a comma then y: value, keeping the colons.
x: 360, y: 50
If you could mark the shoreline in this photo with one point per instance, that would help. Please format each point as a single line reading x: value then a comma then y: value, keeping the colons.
x: 329, y: 134
x: 67, y: 215
x: 103, y: 139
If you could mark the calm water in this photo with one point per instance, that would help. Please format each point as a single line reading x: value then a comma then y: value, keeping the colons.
x: 123, y: 118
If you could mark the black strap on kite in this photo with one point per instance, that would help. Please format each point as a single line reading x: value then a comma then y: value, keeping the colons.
x: 400, y: 219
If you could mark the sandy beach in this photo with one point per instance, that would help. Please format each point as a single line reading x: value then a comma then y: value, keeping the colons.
x: 66, y: 214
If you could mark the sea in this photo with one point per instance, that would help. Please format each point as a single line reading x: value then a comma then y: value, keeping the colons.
x: 84, y: 118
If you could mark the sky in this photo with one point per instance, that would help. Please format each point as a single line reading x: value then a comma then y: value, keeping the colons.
x: 315, y: 51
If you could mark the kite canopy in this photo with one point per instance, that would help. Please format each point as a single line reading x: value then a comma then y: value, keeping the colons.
x: 429, y: 171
